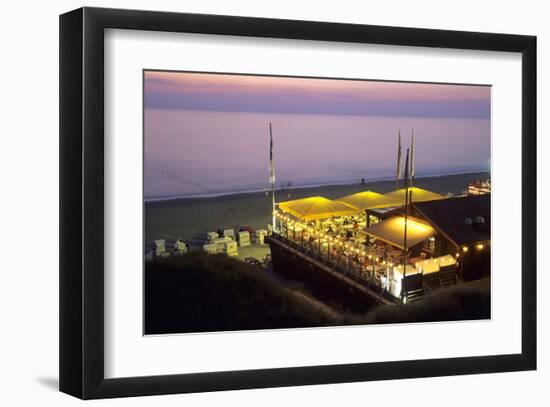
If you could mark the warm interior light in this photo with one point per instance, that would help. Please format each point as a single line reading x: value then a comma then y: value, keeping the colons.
x: 411, y: 224
x: 479, y: 246
x: 465, y: 249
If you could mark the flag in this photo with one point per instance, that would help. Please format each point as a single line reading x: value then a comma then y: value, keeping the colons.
x: 398, y: 172
x: 271, y: 162
x: 412, y: 154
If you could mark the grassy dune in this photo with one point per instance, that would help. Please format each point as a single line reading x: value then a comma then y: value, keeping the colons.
x: 468, y: 301
x: 204, y: 293
x: 200, y: 293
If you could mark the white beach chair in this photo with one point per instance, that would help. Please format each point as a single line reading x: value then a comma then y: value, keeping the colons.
x: 231, y: 249
x: 244, y: 239
x: 260, y: 235
x: 229, y: 233
x: 220, y: 243
x: 210, y: 248
x: 180, y: 247
x: 212, y: 236
x: 160, y: 247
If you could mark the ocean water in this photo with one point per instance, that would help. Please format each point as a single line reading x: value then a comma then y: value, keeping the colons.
x: 199, y: 153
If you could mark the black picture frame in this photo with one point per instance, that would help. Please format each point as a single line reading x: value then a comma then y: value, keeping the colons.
x: 82, y: 202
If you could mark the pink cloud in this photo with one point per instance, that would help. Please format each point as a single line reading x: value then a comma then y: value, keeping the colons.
x: 243, y: 85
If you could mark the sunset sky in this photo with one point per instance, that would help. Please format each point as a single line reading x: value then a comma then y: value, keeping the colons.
x: 208, y: 133
x: 242, y: 93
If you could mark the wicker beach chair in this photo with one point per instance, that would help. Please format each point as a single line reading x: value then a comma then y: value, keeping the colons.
x: 260, y: 235
x: 180, y: 247
x: 229, y: 233
x: 212, y: 236
x: 210, y: 248
x: 160, y: 247
x: 231, y: 249
x: 244, y: 239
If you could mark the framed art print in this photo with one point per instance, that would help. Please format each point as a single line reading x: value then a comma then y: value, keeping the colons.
x: 252, y: 203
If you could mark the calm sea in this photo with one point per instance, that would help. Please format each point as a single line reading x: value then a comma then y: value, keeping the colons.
x: 198, y: 153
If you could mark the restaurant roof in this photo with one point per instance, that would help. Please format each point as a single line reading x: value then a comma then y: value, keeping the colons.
x: 368, y: 200
x: 392, y: 231
x: 459, y: 219
x: 316, y: 207
x: 418, y: 195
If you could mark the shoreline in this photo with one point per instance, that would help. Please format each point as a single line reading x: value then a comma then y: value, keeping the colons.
x: 302, y: 187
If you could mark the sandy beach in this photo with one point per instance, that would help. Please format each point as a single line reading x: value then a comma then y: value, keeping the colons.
x: 192, y: 218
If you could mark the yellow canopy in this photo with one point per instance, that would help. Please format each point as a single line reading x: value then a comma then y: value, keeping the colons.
x: 316, y: 207
x: 392, y: 231
x: 418, y: 195
x: 368, y: 200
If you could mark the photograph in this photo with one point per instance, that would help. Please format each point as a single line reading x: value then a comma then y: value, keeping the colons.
x: 274, y: 202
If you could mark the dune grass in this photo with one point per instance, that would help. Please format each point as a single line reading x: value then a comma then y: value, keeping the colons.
x: 467, y: 301
x: 198, y: 292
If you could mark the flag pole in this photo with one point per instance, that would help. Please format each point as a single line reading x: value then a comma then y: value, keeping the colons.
x: 406, y: 220
x: 398, y: 171
x: 412, y: 158
x: 272, y: 178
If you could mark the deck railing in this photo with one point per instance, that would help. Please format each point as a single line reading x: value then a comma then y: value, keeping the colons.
x: 344, y: 264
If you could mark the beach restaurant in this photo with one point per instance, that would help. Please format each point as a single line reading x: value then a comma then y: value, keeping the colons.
x: 364, y: 233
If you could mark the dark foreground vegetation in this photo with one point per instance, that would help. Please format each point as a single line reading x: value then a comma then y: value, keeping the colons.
x: 465, y: 301
x: 204, y: 293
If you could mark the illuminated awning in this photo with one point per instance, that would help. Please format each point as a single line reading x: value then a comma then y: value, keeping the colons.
x: 316, y: 207
x: 369, y: 200
x: 418, y: 195
x: 392, y: 231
